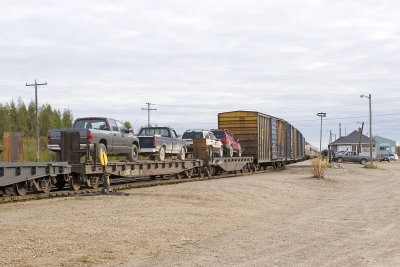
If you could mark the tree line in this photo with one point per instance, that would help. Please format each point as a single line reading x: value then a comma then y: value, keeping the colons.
x: 19, y: 117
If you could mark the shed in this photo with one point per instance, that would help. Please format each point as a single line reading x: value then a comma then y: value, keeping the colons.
x: 384, y: 145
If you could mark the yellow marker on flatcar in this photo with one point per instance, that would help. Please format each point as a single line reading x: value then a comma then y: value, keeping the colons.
x: 103, y: 159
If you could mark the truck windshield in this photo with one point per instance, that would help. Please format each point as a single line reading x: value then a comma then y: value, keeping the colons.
x: 154, y: 131
x: 97, y: 124
x: 219, y: 134
x: 192, y: 135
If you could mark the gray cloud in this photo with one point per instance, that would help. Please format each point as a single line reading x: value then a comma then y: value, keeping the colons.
x: 289, y: 59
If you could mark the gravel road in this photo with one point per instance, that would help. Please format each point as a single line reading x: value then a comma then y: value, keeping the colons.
x: 281, y: 218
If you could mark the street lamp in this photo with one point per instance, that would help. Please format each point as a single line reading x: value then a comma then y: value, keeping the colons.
x: 370, y: 126
x: 321, y: 114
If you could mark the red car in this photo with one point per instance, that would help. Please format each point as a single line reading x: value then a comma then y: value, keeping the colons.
x: 230, y: 145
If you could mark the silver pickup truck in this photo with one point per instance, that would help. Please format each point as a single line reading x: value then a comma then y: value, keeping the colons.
x: 111, y: 135
x: 350, y: 156
x: 157, y: 142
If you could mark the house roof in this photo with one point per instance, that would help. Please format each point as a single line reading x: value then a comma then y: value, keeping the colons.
x: 352, y: 138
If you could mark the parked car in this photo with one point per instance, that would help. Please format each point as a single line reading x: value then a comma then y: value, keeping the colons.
x: 385, y: 157
x: 393, y: 157
x: 351, y: 156
x: 214, y: 146
x: 111, y: 135
x: 157, y: 142
x: 230, y: 145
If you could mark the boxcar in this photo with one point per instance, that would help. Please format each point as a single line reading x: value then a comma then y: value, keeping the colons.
x: 265, y: 138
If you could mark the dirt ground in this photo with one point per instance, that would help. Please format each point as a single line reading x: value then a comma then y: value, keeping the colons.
x: 282, y: 218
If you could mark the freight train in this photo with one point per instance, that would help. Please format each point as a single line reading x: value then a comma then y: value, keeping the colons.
x: 266, y: 141
x: 269, y: 140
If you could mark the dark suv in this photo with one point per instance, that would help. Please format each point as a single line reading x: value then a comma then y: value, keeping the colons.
x: 230, y: 145
x: 385, y: 157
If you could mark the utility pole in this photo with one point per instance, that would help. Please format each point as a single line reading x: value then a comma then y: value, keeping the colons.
x: 321, y: 114
x: 340, y: 130
x: 37, y: 116
x: 370, y: 125
x: 359, y: 143
x: 148, y: 112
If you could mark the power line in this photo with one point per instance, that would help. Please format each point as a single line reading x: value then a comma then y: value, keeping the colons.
x: 148, y: 112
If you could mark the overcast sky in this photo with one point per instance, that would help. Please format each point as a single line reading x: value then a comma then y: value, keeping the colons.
x: 289, y: 59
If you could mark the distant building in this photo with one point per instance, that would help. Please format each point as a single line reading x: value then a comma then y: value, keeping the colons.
x: 384, y: 145
x: 352, y: 142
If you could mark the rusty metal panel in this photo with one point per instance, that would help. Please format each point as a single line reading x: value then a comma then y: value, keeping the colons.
x: 294, y: 142
x: 13, y: 146
x: 244, y: 127
x: 200, y: 149
x: 282, y: 139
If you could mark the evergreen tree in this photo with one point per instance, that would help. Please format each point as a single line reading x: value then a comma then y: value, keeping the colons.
x: 31, y: 119
x: 5, y: 122
x: 67, y: 118
x: 13, y: 116
x: 22, y: 117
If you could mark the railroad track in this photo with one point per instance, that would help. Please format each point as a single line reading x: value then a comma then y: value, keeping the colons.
x: 118, y: 185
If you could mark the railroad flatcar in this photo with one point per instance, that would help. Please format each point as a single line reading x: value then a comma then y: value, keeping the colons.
x: 269, y: 140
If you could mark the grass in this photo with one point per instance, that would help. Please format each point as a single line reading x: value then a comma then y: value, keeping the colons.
x: 368, y: 165
x: 29, y: 150
x: 315, y: 167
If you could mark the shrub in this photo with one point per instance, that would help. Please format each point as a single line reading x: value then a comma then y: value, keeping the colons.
x: 315, y: 167
x: 368, y: 165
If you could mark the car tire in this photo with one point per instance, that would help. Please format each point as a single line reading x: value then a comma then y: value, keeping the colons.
x: 210, y: 152
x: 340, y: 160
x: 161, y: 154
x: 363, y: 161
x: 230, y: 152
x: 239, y: 154
x: 220, y: 152
x: 133, y: 153
x: 181, y: 155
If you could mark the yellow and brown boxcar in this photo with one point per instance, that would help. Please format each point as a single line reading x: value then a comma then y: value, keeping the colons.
x: 265, y: 138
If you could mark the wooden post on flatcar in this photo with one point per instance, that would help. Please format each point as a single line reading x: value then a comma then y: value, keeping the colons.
x: 70, y: 147
x: 13, y: 146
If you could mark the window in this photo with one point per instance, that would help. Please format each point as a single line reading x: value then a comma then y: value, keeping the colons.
x: 121, y: 127
x: 114, y: 126
x: 212, y: 137
x: 97, y: 124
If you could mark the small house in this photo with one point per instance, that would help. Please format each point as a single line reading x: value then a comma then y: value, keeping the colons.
x: 355, y: 141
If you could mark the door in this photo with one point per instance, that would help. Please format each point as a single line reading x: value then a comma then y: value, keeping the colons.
x: 176, y: 144
x: 116, y: 138
x: 167, y: 140
x: 125, y: 137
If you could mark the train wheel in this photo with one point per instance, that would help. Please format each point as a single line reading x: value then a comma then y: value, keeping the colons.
x: 75, y: 182
x: 45, y: 184
x: 21, y: 188
x: 200, y: 171
x: 60, y: 184
x: 94, y: 182
x: 8, y: 190
x: 189, y: 173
